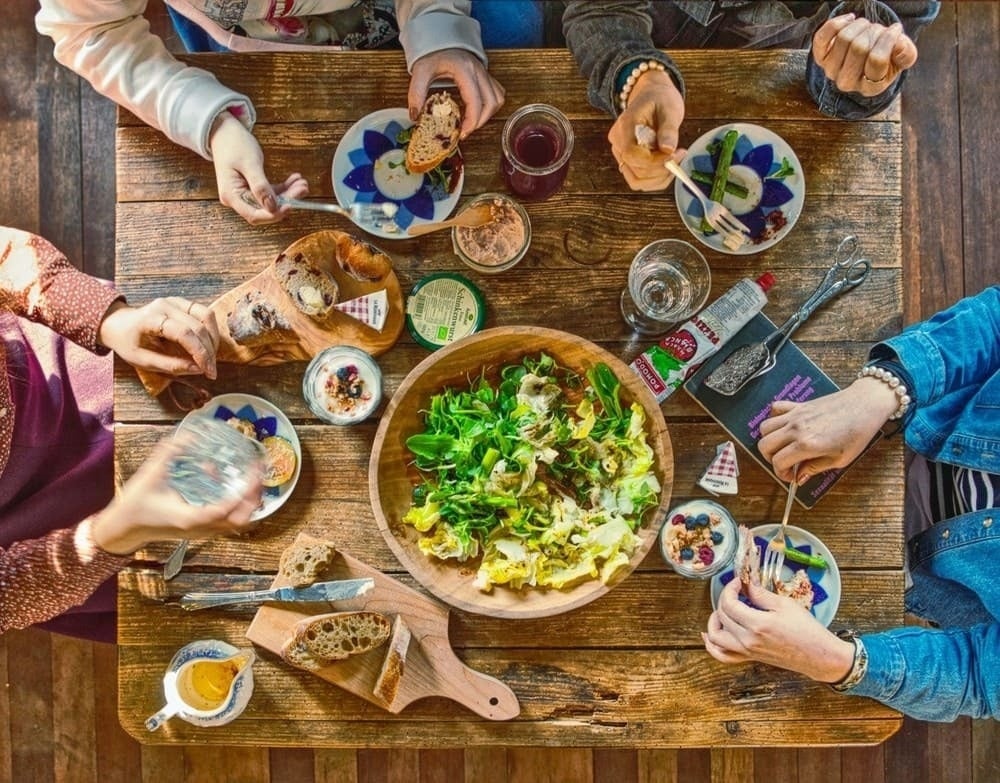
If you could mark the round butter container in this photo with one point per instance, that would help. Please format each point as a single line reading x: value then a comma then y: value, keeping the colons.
x: 699, y: 539
x: 342, y: 385
x: 444, y: 307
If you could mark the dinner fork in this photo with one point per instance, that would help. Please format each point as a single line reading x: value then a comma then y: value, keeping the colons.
x: 380, y: 216
x: 734, y: 232
x: 774, y: 553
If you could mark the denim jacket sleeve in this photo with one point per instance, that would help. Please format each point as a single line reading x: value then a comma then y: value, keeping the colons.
x: 952, y: 365
x: 934, y: 674
x: 606, y: 36
x: 914, y: 15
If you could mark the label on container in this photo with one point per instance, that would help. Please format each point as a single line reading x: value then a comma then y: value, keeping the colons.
x: 442, y: 308
x: 665, y: 366
x: 371, y: 309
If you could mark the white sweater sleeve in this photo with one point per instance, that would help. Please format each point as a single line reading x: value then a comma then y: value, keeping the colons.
x: 427, y: 26
x: 108, y: 43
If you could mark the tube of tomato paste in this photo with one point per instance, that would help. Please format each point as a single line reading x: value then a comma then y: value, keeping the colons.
x: 666, y: 365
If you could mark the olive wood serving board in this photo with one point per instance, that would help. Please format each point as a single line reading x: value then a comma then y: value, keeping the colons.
x: 310, y: 337
x: 431, y: 668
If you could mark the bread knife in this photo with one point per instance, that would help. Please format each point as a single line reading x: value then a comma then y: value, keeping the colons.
x: 321, y: 591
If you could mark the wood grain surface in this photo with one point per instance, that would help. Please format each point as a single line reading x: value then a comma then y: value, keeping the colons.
x: 627, y: 669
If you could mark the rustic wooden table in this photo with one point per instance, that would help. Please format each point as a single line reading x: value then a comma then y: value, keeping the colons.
x: 629, y: 669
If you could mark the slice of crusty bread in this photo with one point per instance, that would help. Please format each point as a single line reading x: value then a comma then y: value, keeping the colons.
x: 302, y: 564
x: 435, y: 136
x: 298, y: 655
x: 337, y: 635
x: 394, y: 665
x: 256, y: 321
x: 312, y: 289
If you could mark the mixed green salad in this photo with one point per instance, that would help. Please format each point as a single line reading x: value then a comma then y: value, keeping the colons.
x: 543, y: 474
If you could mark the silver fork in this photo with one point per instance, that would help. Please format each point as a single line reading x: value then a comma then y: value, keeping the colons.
x: 774, y: 554
x: 734, y: 233
x: 380, y: 216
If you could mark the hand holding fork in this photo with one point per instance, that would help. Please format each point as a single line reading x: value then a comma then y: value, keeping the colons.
x: 774, y: 554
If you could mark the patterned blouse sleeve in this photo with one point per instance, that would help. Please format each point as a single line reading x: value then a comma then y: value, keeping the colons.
x: 44, y: 577
x: 38, y: 283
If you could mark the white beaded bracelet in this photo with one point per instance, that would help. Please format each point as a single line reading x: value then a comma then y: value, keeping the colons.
x: 639, y: 70
x: 881, y: 374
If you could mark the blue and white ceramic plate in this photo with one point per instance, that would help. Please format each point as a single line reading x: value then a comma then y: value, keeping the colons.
x: 825, y: 581
x: 763, y: 164
x: 267, y: 420
x: 368, y: 168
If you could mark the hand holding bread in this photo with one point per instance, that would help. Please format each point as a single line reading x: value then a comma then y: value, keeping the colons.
x: 435, y: 135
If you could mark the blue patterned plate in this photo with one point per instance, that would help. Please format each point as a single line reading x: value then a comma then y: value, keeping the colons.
x: 769, y: 171
x: 368, y: 168
x: 825, y: 581
x: 267, y: 420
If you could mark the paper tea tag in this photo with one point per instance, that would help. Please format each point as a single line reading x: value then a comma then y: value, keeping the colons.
x: 720, y: 476
x: 371, y: 309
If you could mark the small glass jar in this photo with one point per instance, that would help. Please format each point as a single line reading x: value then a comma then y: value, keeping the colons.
x: 216, y: 461
x: 499, y: 244
x: 699, y: 539
x: 342, y: 385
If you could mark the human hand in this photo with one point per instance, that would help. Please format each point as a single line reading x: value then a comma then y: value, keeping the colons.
x: 778, y: 632
x: 862, y: 56
x: 656, y: 103
x: 825, y: 432
x: 169, y: 335
x: 239, y: 173
x: 481, y: 93
x: 148, y: 509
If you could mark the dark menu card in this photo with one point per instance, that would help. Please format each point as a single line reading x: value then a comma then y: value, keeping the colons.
x: 795, y: 377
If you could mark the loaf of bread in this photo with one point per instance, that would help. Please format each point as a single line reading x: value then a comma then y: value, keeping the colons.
x: 303, y: 564
x: 311, y: 288
x: 256, y: 321
x: 394, y: 664
x: 337, y: 635
x: 435, y: 136
x: 361, y: 260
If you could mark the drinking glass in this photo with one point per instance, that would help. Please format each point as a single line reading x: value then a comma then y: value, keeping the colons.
x: 537, y: 142
x: 668, y: 282
x: 218, y: 462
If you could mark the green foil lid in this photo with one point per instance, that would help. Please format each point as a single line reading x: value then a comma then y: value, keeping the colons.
x: 442, y: 308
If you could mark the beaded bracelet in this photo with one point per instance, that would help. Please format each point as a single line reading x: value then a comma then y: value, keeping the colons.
x: 639, y: 70
x: 859, y: 667
x: 882, y: 374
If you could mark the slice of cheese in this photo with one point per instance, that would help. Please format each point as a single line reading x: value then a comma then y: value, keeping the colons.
x: 371, y: 309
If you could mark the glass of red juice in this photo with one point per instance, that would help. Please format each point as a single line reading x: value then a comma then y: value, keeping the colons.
x: 537, y: 143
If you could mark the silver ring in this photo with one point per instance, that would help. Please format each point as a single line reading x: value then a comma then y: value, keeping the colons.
x: 162, y: 323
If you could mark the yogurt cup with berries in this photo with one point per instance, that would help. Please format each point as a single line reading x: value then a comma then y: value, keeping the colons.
x: 698, y: 539
x: 342, y: 385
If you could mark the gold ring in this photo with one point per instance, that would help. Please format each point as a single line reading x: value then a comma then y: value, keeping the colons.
x: 189, y: 308
x: 162, y: 323
x: 875, y: 81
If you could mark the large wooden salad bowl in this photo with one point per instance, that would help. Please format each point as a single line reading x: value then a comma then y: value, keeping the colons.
x: 392, y: 475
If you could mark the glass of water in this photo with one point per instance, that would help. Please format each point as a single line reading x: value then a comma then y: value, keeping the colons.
x: 668, y: 282
x: 218, y: 461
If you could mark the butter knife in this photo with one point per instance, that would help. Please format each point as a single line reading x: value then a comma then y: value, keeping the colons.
x: 321, y: 591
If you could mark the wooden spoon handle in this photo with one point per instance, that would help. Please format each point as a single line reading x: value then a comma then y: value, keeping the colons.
x: 429, y: 228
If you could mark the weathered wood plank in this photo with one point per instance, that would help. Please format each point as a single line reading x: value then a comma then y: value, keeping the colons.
x: 985, y: 751
x: 549, y: 765
x: 336, y: 766
x: 31, y: 706
x: 119, y: 757
x: 97, y: 183
x: 485, y: 765
x: 658, y: 766
x: 733, y: 764
x: 161, y: 764
x: 757, y: 89
x: 164, y: 172
x: 73, y: 710
x: 776, y: 765
x: 441, y: 766
x: 6, y: 718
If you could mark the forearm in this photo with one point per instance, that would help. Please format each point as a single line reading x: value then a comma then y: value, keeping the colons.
x: 44, y: 577
x: 427, y: 26
x: 933, y: 674
x: 111, y: 46
x: 37, y: 282
x: 604, y: 36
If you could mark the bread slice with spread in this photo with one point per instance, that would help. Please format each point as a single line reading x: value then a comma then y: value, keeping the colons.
x: 435, y: 135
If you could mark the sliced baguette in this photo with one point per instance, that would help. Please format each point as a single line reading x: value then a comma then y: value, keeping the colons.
x: 298, y: 655
x: 393, y: 667
x: 303, y: 564
x: 435, y: 136
x: 338, y: 635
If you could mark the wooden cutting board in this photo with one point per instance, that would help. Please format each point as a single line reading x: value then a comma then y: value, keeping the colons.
x: 431, y: 669
x: 310, y: 337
